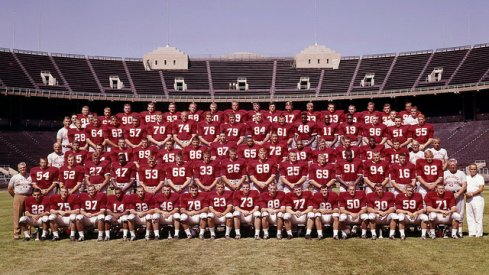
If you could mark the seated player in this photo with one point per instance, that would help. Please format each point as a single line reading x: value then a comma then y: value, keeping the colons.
x: 353, y: 210
x: 92, y: 212
x: 117, y: 212
x: 262, y: 172
x: 63, y: 211
x: 166, y: 206
x: 123, y: 174
x: 220, y: 210
x: 322, y: 174
x: 233, y: 171
x: 380, y: 206
x: 376, y: 172
x: 194, y: 208
x: 272, y: 204
x: 292, y: 172
x: 441, y: 209
x: 36, y: 214
x: 326, y: 209
x: 140, y: 213
x: 206, y: 173
x: 410, y: 210
x: 246, y: 209
x: 298, y: 211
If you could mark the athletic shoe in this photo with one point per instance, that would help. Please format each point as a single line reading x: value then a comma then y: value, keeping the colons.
x: 289, y: 237
x: 146, y: 237
x: 100, y: 239
x: 26, y: 239
x: 423, y: 238
x: 156, y: 238
x: 374, y: 237
x: 72, y: 238
x: 81, y: 239
x: 55, y: 238
x: 308, y: 237
x: 227, y: 237
x: 279, y: 237
x: 213, y: 237
x: 107, y: 238
x: 238, y: 236
x: 454, y: 236
x: 364, y: 236
x: 201, y: 237
x: 320, y: 237
x: 335, y: 237
x: 133, y: 238
x: 266, y: 237
x: 403, y: 237
x: 124, y: 238
x: 257, y: 237
x: 392, y: 237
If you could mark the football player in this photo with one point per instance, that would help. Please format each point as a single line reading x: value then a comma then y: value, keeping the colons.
x: 299, y: 210
x: 272, y: 204
x: 246, y: 209
x: 44, y: 177
x: 441, y: 209
x: 233, y: 171
x: 220, y: 210
x: 353, y: 210
x: 380, y: 206
x: 117, y: 212
x: 92, y: 212
x: 410, y: 210
x: 292, y: 172
x: 429, y: 173
x: 326, y: 211
x: 140, y: 209
x: 194, y: 207
x: 166, y: 207
x: 36, y: 214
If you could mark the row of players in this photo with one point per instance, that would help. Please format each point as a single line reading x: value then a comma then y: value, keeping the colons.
x: 241, y: 207
x: 332, y: 126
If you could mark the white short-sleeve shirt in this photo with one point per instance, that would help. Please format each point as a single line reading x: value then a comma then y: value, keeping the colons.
x: 473, y: 183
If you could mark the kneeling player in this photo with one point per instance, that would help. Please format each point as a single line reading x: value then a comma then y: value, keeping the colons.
x: 165, y: 210
x: 325, y: 204
x: 220, y: 210
x: 117, y: 212
x: 36, y: 214
x: 410, y: 210
x: 246, y: 209
x: 92, y: 212
x: 272, y: 203
x: 441, y: 209
x: 298, y: 207
x: 381, y: 211
x: 193, y: 209
x: 64, y: 208
x: 140, y: 213
x: 353, y: 210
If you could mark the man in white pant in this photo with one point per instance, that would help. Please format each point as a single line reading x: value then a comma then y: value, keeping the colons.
x: 456, y: 183
x: 475, y: 202
x: 441, y: 209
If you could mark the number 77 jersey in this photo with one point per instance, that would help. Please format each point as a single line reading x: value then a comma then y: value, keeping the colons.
x: 299, y: 203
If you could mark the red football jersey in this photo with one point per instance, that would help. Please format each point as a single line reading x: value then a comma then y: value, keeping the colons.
x: 375, y: 131
x: 381, y: 203
x: 113, y: 133
x: 123, y: 174
x: 403, y: 174
x: 220, y: 202
x: 114, y: 154
x: 328, y: 152
x: 71, y: 202
x: 355, y: 150
x: 272, y: 202
x: 191, y: 203
x: 233, y: 169
x: 140, y: 204
x: 353, y: 203
x: 262, y: 171
x: 330, y: 202
x: 166, y: 203
x: 220, y: 150
x: 376, y: 172
x: 44, y: 177
x: 148, y: 117
x: 84, y: 119
x: 117, y: 206
x: 337, y: 116
x: 71, y: 176
x: 95, y: 134
x: 303, y: 155
x: 299, y: 203
x: 206, y: 172
x: 327, y: 132
x: 141, y: 154
x: 368, y: 116
x: 313, y: 116
x: 151, y: 176
x: 421, y: 133
x: 248, y: 201
x: 178, y: 173
x: 352, y: 131
x: 392, y: 155
x: 93, y: 204
x: 126, y: 118
x: 80, y: 156
x: 191, y: 153
x: 272, y: 117
x: 411, y: 204
x: 367, y: 151
x: 293, y: 172
x: 233, y: 131
x: 322, y: 174
x: 259, y: 130
x: 436, y: 201
x: 401, y: 133
x: 240, y: 115
x: 291, y: 116
x: 276, y: 150
x: 134, y: 134
x: 97, y: 171
x: 184, y: 129
x: 159, y: 130
x: 216, y: 116
x: 305, y: 131
x: 75, y: 134
x: 208, y: 131
x: 171, y: 117
x: 284, y: 132
x: 36, y: 207
x: 168, y: 156
x: 349, y: 171
x: 195, y: 116
x: 430, y: 172
x: 247, y: 152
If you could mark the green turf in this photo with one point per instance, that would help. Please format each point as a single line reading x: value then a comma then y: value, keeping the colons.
x: 246, y: 256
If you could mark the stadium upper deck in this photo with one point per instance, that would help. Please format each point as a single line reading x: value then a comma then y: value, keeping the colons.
x: 449, y: 70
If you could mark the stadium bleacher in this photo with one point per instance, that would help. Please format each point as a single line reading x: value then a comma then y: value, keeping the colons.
x: 77, y: 73
x: 474, y: 67
x: 379, y: 65
x: 338, y: 81
x: 11, y: 73
x: 406, y: 70
x: 107, y: 67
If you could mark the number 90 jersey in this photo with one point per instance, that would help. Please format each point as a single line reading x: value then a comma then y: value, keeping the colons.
x: 353, y: 203
x: 93, y: 204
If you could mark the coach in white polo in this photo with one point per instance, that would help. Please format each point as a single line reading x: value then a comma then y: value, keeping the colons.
x: 475, y: 202
x: 57, y: 157
x: 455, y: 182
x: 62, y: 135
x: 19, y: 187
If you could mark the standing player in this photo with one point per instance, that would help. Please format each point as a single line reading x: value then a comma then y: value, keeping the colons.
x: 194, y: 207
x: 456, y: 182
x: 369, y: 114
x: 169, y: 153
x: 235, y: 131
x: 179, y: 175
x: 299, y: 210
x: 172, y: 114
x: 220, y: 210
x: 415, y: 153
x: 392, y: 154
x: 259, y: 129
x: 134, y: 133
x: 97, y: 173
x: 372, y: 147
x: 326, y: 209
x: 150, y: 115
x: 305, y: 130
x: 63, y: 211
x: 410, y: 210
x: 44, y: 177
x: 262, y: 172
x: 246, y: 209
x: 206, y: 173
x: 56, y: 158
x: 92, y: 212
x: 127, y: 116
x: 439, y: 153
x: 292, y: 173
x: 272, y: 204
x: 78, y: 134
x: 352, y: 130
x: 249, y: 150
x: 284, y: 131
x: 277, y: 149
x: 353, y: 210
x: 36, y: 214
x: 349, y: 171
x: 71, y: 176
x: 151, y: 177
x: 240, y: 115
x: 113, y: 133
x: 290, y: 114
x: 184, y: 130
x: 159, y: 132
x: 85, y: 116
x: 233, y: 171
x: 403, y: 174
x: 423, y: 132
x: 166, y: 207
x: 207, y: 130
x: 95, y: 134
x: 429, y: 173
x: 441, y: 209
x: 399, y: 132
x: 123, y: 174
x: 117, y: 212
x: 322, y: 174
x: 336, y: 116
x: 376, y: 172
x: 142, y: 153
x: 272, y: 114
x: 194, y: 152
x: 381, y: 209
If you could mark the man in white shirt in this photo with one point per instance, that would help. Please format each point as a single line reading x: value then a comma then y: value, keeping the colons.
x: 56, y: 158
x: 439, y: 153
x: 415, y: 154
x: 62, y: 135
x: 475, y: 202
x: 19, y: 187
x: 412, y: 119
x: 456, y: 182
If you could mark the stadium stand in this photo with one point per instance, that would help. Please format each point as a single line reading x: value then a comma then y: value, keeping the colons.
x: 145, y: 82
x: 11, y: 73
x: 379, y: 65
x: 105, y: 67
x: 338, y: 81
x: 77, y: 73
x: 287, y: 76
x: 406, y: 70
x: 258, y: 74
x: 474, y: 67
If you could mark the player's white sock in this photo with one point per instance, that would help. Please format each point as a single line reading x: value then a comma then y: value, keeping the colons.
x: 373, y: 232
x: 56, y: 234
x: 82, y: 234
x: 107, y: 233
x: 228, y: 230
x: 344, y: 233
x: 213, y: 231
x: 460, y: 230
x: 133, y: 234
x: 289, y: 232
x: 257, y: 232
x: 423, y: 232
x: 432, y: 231
x: 157, y: 233
x: 265, y: 232
x: 391, y: 233
x: 308, y: 231
x: 335, y: 232
x: 187, y: 231
x: 44, y: 233
x: 177, y: 232
x: 124, y: 232
x: 148, y: 232
x: 100, y: 234
x: 26, y: 234
x: 201, y: 232
x: 72, y: 233
x: 454, y: 232
x: 238, y: 231
x: 364, y: 232
x: 402, y: 232
x: 320, y: 232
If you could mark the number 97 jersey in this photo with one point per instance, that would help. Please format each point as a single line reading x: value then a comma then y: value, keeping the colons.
x: 92, y: 204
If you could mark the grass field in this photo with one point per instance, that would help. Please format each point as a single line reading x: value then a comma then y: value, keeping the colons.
x: 246, y: 256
